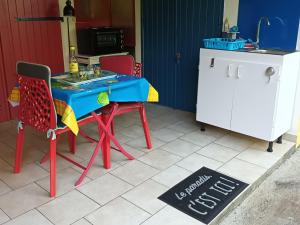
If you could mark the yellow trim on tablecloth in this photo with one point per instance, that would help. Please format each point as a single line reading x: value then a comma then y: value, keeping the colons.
x: 14, y: 95
x: 152, y: 95
x: 68, y: 115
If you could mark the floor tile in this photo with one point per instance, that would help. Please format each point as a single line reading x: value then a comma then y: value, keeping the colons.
x: 171, y: 176
x: 82, y: 222
x: 68, y: 208
x: 105, y: 188
x: 156, y: 124
x: 135, y: 172
x: 3, y: 217
x: 259, y: 157
x: 160, y: 159
x: 185, y: 127
x: 119, y: 211
x: 180, y: 147
x: 218, y: 152
x: 140, y: 144
x: 132, y: 131
x: 171, y: 216
x: 146, y: 196
x: 118, y: 157
x: 167, y: 135
x: 198, y: 138
x: 215, y: 131
x: 22, y: 200
x: 4, y: 188
x: 61, y: 163
x: 32, y: 217
x: 242, y: 170
x: 30, y: 155
x: 236, y: 141
x: 278, y: 149
x: 28, y: 174
x: 65, y: 181
x: 195, y: 162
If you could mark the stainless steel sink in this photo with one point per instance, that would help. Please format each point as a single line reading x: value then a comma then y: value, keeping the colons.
x: 270, y: 51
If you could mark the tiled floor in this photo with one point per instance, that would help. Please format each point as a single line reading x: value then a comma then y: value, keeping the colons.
x: 127, y: 193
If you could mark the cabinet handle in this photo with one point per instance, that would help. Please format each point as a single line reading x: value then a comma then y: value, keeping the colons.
x: 229, y: 70
x: 238, y: 74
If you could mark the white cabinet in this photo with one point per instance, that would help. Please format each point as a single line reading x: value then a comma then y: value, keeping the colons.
x: 235, y: 92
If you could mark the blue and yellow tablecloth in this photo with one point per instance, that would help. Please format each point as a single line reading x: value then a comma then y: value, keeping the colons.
x: 73, y: 102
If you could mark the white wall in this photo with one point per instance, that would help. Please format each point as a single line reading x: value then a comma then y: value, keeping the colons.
x: 64, y: 33
x: 231, y: 8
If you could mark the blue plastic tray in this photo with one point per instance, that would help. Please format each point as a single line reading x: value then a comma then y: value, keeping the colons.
x: 224, y: 43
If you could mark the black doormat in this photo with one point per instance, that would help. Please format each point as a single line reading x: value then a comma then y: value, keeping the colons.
x: 204, y: 194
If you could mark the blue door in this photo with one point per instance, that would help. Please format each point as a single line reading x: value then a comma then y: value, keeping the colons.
x: 172, y: 36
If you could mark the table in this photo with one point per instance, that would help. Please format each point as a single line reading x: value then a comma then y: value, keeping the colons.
x: 73, y: 102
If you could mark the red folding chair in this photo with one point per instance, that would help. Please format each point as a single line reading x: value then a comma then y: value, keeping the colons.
x: 37, y: 110
x: 125, y: 64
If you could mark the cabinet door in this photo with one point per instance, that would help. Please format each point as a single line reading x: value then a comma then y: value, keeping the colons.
x: 255, y: 100
x: 216, y: 85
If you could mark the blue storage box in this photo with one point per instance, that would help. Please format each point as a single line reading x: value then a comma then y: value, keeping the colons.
x: 224, y: 43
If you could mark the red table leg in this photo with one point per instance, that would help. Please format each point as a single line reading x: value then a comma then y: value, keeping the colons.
x: 106, y: 144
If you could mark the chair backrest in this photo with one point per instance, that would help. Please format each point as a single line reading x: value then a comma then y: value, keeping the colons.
x: 36, y: 107
x: 122, y: 64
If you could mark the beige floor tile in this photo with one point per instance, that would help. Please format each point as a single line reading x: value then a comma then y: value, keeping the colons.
x: 105, y: 188
x: 278, y: 149
x: 146, y: 196
x: 171, y: 176
x: 195, y: 162
x: 135, y: 172
x: 4, y: 188
x: 132, y: 131
x: 82, y: 222
x: 24, y: 199
x: 28, y: 174
x: 30, y: 155
x: 156, y: 124
x: 171, y: 216
x: 119, y: 211
x: 180, y: 147
x: 160, y: 159
x: 3, y: 217
x: 97, y: 170
x: 61, y: 163
x: 242, y: 170
x: 167, y: 135
x: 140, y: 144
x: 215, y: 131
x: 65, y: 181
x: 198, y: 138
x: 118, y: 157
x: 259, y: 157
x: 32, y: 217
x: 236, y: 141
x: 185, y: 127
x: 68, y: 208
x: 218, y: 152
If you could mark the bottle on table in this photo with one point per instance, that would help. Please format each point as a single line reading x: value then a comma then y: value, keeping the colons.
x: 73, y: 62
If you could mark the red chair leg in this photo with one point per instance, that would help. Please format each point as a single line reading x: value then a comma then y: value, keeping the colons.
x: 19, y: 150
x: 52, y: 167
x: 72, y: 141
x: 112, y: 127
x: 145, y: 126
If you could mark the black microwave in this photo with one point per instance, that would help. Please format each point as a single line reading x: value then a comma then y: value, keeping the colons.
x: 97, y: 41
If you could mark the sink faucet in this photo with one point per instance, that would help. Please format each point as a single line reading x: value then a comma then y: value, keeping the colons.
x: 258, y: 30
